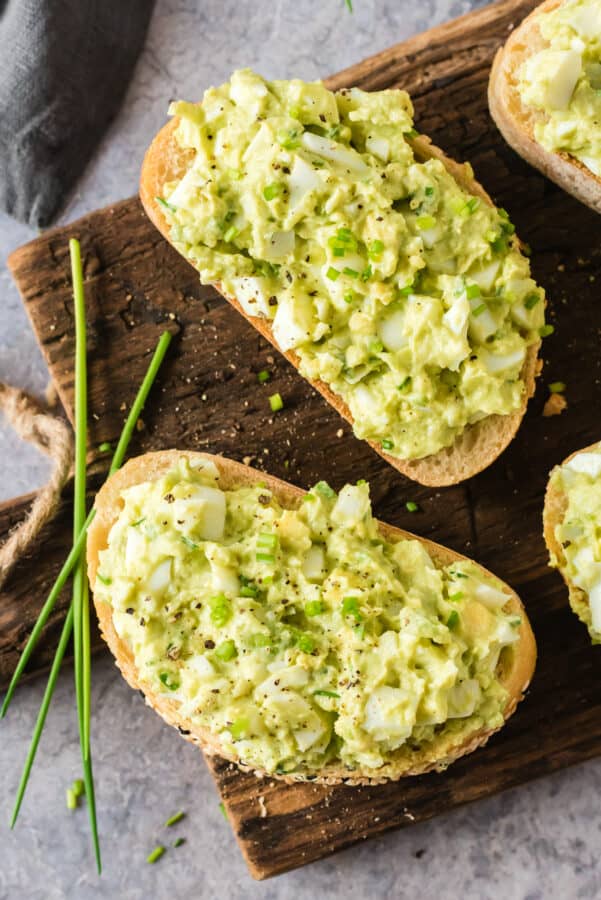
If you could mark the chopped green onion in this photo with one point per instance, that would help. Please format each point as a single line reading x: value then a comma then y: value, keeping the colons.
x: 366, y: 273
x: 257, y: 641
x: 176, y: 817
x: 156, y: 854
x: 223, y: 812
x: 375, y: 249
x: 472, y: 291
x: 360, y: 482
x: 239, y: 728
x: 178, y: 842
x: 165, y: 205
x: 352, y: 273
x: 333, y: 274
x: 531, y: 300
x: 220, y: 610
x: 472, y: 204
x: 265, y: 557
x: 288, y: 139
x: 276, y: 403
x: 105, y: 447
x: 479, y: 310
x: 249, y: 588
x: 305, y: 643
x: 407, y: 290
x: 405, y: 383
x: 104, y: 579
x: 424, y: 223
x: 546, y: 330
x: 387, y: 444
x: 429, y: 191
x: 267, y: 539
x: 271, y: 191
x: 376, y: 347
x: 350, y: 607
x: 138, y: 522
x: 453, y: 619
x: 313, y: 608
x: 348, y: 296
x: 165, y: 678
x: 71, y: 799
x: 294, y: 112
x: 325, y: 694
x: 226, y: 651
x: 231, y: 233
x: 186, y: 540
x: 263, y: 376
x: 78, y: 787
x: 454, y: 598
x: 557, y: 387
x: 411, y: 506
x: 323, y: 488
x: 458, y: 574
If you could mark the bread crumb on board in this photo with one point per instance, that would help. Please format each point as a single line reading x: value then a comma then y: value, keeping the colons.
x: 555, y: 405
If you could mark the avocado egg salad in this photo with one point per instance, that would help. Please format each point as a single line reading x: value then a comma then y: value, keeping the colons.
x: 404, y: 293
x: 563, y: 81
x: 579, y: 533
x: 300, y: 637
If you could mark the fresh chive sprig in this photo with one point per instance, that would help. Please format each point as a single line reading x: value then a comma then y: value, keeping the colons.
x: 75, y: 552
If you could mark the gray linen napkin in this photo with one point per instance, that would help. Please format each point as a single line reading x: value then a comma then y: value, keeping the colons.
x: 64, y: 69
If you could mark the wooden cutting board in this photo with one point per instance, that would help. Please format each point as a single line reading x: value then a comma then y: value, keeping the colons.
x: 208, y: 397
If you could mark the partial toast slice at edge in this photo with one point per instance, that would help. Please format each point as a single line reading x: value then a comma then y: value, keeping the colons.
x: 478, y: 445
x: 516, y: 122
x: 554, y: 510
x: 515, y: 668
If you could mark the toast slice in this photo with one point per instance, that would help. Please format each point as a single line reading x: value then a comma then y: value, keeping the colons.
x: 479, y: 444
x: 516, y: 121
x: 515, y: 668
x: 554, y: 511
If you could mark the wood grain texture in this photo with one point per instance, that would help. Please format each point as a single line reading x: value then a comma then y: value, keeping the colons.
x: 207, y: 397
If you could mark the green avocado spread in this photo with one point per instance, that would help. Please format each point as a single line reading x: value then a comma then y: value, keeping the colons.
x: 579, y: 533
x: 563, y: 81
x: 404, y: 293
x: 301, y: 637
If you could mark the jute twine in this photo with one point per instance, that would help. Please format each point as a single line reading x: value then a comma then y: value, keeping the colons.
x: 36, y: 424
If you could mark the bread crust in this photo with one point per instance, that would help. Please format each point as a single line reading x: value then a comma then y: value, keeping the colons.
x: 554, y: 510
x: 516, y: 122
x: 479, y: 444
x: 515, y: 668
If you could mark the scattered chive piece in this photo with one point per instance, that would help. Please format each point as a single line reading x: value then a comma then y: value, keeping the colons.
x: 456, y: 596
x: 223, y: 812
x: 165, y: 205
x: 350, y: 607
x: 429, y: 191
x: 349, y: 5
x: 239, y: 728
x: 165, y: 679
x: 75, y: 552
x: 375, y: 249
x: 408, y: 289
x: 230, y: 234
x: 348, y: 296
x: 225, y: 652
x: 546, y: 330
x: 78, y: 787
x: 313, y: 608
x: 472, y: 291
x: 306, y: 644
x: 220, y: 610
x: 424, y: 223
x: 411, y: 506
x: 103, y: 578
x: 405, y: 383
x: 271, y: 191
x: 323, y: 488
x: 265, y: 557
x: 177, y: 817
x: 531, y: 300
x: 178, y: 842
x: 325, y: 694
x: 479, y: 310
x: 71, y: 799
x: 453, y: 619
x: 156, y: 854
x: 366, y: 273
x: 186, y: 540
x: 266, y: 539
x: 276, y: 403
x: 387, y: 444
x: 263, y: 376
x: 352, y: 273
x: 105, y: 447
x: 472, y: 204
x: 333, y: 274
x: 557, y: 387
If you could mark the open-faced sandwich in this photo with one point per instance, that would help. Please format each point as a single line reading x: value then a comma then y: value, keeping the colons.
x: 292, y: 633
x: 545, y: 94
x: 572, y: 522
x: 377, y: 265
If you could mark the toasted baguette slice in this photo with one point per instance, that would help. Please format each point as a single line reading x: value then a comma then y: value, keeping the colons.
x: 516, y: 121
x: 554, y: 510
x: 479, y: 444
x: 515, y: 667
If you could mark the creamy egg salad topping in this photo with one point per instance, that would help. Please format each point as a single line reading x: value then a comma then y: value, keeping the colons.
x: 579, y: 533
x: 564, y: 82
x: 300, y: 636
x: 407, y: 295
